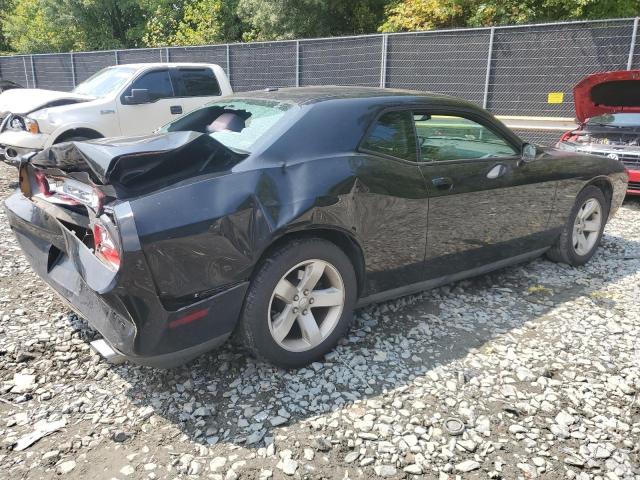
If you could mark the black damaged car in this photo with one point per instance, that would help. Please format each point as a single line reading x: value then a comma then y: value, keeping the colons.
x: 274, y: 214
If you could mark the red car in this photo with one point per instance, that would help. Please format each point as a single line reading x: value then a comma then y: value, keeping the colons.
x: 608, y: 108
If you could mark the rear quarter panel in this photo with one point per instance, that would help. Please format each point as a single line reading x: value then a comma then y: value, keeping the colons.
x: 576, y: 171
x: 211, y: 233
x: 203, y: 235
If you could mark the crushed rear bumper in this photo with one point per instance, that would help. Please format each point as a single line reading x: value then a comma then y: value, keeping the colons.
x: 123, y: 306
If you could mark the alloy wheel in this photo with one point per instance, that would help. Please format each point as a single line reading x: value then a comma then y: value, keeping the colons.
x: 586, y: 227
x: 306, y: 305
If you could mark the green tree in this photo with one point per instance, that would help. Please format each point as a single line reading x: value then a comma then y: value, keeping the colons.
x: 161, y: 21
x: 407, y: 15
x: 102, y: 24
x: 37, y: 26
x: 410, y: 15
x: 5, y: 8
x: 515, y: 12
x: 29, y: 27
x: 192, y: 22
x: 287, y: 19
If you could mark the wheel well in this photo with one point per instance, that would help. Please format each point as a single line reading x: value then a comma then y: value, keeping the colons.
x: 78, y: 132
x: 340, y: 239
x: 606, y: 188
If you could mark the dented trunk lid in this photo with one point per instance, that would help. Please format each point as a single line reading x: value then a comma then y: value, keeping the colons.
x: 135, y: 165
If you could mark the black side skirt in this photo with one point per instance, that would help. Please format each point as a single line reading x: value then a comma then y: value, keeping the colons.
x: 437, y: 282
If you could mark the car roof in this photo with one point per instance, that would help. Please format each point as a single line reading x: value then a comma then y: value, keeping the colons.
x: 141, y: 66
x: 306, y: 95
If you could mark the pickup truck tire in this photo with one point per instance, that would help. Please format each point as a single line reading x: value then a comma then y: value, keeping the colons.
x: 78, y: 138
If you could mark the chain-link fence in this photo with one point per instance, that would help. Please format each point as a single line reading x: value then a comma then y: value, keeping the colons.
x: 509, y: 70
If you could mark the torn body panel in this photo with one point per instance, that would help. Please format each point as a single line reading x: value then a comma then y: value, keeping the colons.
x: 27, y: 100
x: 134, y: 166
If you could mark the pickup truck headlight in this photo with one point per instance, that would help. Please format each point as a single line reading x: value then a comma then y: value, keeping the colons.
x: 31, y: 126
x: 24, y: 123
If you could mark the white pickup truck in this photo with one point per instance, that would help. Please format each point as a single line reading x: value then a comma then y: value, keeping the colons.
x: 132, y: 99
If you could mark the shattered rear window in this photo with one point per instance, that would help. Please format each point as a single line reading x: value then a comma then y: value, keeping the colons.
x: 260, y: 117
x: 236, y: 123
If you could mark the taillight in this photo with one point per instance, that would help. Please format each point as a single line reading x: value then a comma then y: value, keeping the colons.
x: 567, y: 136
x: 67, y: 191
x: 42, y: 182
x: 105, y: 247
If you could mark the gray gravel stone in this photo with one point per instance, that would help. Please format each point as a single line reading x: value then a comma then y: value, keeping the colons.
x: 66, y: 467
x: 467, y: 466
x: 538, y: 362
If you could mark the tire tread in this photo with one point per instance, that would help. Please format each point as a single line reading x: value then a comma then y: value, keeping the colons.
x: 244, y: 332
x: 562, y: 250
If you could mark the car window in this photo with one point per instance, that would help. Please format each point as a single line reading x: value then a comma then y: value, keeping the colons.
x: 616, y: 120
x: 156, y: 82
x: 392, y: 134
x: 106, y: 81
x: 237, y: 123
x: 195, y: 82
x: 258, y: 117
x: 451, y: 137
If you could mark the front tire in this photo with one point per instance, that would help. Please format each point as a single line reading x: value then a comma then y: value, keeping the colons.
x: 299, y: 304
x: 582, y: 233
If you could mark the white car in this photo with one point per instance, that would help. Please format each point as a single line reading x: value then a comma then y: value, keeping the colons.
x: 127, y: 100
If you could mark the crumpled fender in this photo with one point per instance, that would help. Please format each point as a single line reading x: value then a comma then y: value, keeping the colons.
x: 232, y: 219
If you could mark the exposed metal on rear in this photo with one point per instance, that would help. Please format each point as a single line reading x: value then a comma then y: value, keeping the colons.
x: 107, y: 352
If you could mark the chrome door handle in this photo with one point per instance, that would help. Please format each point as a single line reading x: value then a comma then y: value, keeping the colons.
x: 497, y: 171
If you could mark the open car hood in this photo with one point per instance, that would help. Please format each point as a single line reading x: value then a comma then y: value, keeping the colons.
x: 607, y: 92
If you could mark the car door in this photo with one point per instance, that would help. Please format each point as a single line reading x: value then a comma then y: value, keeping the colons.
x: 161, y: 107
x: 485, y: 203
x: 195, y: 86
x: 390, y: 202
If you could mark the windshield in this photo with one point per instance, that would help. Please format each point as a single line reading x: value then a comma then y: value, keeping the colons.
x: 236, y: 123
x: 105, y: 81
x: 616, y: 120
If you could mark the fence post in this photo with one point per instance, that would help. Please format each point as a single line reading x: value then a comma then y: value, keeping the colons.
x: 166, y: 51
x: 383, y: 61
x: 485, y: 98
x: 33, y: 73
x: 228, y: 65
x: 632, y: 47
x: 116, y: 54
x: 73, y: 69
x: 26, y: 76
x: 297, y: 63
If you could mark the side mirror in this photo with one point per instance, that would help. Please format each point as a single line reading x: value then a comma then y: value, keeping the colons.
x: 529, y: 153
x: 138, y: 97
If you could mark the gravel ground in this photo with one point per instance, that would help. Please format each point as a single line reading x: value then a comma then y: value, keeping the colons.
x: 530, y: 372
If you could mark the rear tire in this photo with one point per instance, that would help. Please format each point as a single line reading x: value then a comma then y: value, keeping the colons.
x: 299, y: 304
x: 582, y: 232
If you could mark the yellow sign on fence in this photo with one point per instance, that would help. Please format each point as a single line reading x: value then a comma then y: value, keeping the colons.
x: 555, y: 97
